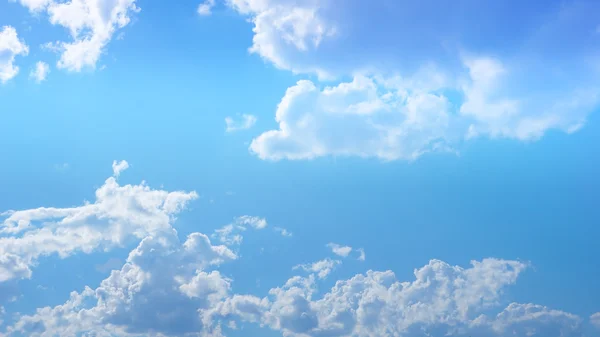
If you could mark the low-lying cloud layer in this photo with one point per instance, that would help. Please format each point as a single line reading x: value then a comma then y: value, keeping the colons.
x: 173, y: 287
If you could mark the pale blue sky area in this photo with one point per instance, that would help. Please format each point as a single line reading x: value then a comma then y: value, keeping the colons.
x: 337, y: 139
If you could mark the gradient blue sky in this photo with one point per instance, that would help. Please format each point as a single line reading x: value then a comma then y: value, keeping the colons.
x: 422, y: 135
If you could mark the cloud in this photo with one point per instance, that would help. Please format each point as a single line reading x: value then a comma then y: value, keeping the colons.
x: 230, y: 234
x: 158, y: 290
x: 361, y: 256
x: 90, y: 23
x: 119, y: 214
x: 322, y: 268
x: 10, y: 47
x: 206, y: 7
x: 245, y: 123
x: 339, y: 250
x: 462, y: 75
x: 595, y: 320
x: 119, y: 166
x: 404, y: 118
x: 443, y: 300
x: 283, y: 231
x: 40, y: 72
x: 173, y: 287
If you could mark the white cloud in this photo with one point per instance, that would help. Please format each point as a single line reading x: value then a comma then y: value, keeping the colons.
x: 10, y: 47
x: 595, y: 319
x: 282, y: 28
x: 511, y: 87
x: 361, y: 256
x: 246, y: 122
x: 443, y: 300
x: 119, y: 166
x: 91, y: 24
x: 230, y: 234
x: 283, y: 231
x: 119, y: 213
x: 403, y: 118
x: 339, y: 250
x: 206, y: 7
x: 159, y: 289
x: 322, y: 268
x: 40, y: 72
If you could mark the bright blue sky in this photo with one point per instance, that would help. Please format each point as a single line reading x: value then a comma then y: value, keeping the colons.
x: 425, y: 135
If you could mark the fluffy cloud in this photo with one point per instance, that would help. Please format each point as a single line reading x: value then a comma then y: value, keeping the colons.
x: 321, y: 268
x: 119, y: 213
x: 206, y: 7
x: 442, y: 300
x: 10, y: 47
x: 246, y: 122
x: 340, y: 250
x: 91, y: 24
x: 403, y: 118
x: 40, y: 72
x: 501, y: 82
x: 159, y: 290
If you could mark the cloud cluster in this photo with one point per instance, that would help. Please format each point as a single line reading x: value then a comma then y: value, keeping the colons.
x: 173, y: 287
x: 10, y: 47
x: 442, y: 82
x: 443, y: 300
x: 119, y: 213
x: 91, y: 24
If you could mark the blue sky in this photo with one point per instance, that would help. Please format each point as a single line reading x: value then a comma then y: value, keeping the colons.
x: 299, y: 168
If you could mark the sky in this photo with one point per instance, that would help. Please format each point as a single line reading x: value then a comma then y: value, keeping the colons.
x: 299, y: 168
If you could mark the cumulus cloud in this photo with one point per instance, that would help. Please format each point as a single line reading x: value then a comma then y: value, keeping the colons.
x: 403, y: 118
x: 245, y: 123
x: 91, y: 24
x: 340, y: 250
x: 321, y: 268
x: 40, y: 72
x: 10, y: 47
x: 206, y: 7
x: 443, y: 300
x: 159, y: 290
x: 119, y: 213
x: 119, y: 166
x: 513, y: 87
x: 173, y: 287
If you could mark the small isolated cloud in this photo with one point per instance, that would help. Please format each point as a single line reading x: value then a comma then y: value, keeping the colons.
x: 253, y: 221
x: 246, y: 122
x: 62, y: 167
x: 595, y: 320
x: 10, y: 47
x: 206, y: 7
x: 361, y: 256
x: 283, y: 231
x: 119, y: 167
x: 322, y: 268
x: 340, y: 250
x: 230, y: 234
x: 40, y: 72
